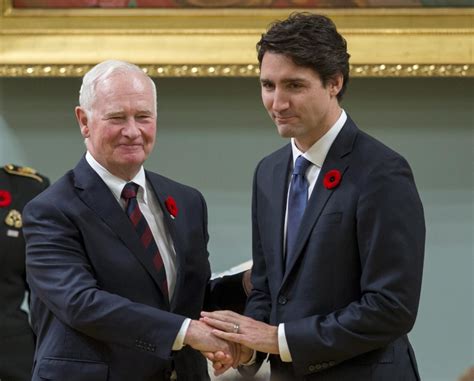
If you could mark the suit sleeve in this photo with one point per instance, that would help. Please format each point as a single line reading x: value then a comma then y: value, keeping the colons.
x: 390, y: 235
x: 60, y: 275
x: 259, y: 301
x: 45, y: 184
x: 227, y: 293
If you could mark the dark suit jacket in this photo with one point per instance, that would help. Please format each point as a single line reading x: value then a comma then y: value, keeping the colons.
x: 16, y: 336
x: 351, y: 292
x: 96, y: 306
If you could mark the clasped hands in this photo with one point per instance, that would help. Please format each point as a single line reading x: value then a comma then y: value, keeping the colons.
x: 232, y: 339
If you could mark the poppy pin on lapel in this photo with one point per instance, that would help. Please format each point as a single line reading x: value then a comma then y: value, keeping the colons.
x: 172, y: 207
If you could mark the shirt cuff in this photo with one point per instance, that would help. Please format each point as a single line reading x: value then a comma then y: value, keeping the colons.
x: 252, y: 359
x: 179, y: 341
x: 285, y: 354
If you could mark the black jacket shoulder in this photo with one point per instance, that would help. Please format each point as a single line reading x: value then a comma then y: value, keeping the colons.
x: 25, y: 182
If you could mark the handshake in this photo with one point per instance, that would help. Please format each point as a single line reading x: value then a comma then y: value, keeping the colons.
x: 229, y: 339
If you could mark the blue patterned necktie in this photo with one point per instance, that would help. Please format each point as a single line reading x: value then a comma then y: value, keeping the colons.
x: 297, y: 200
x: 129, y: 194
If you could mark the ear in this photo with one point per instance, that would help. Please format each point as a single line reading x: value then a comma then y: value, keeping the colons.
x: 82, y: 119
x: 335, y: 84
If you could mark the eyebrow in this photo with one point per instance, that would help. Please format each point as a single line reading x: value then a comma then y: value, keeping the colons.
x: 111, y: 114
x: 146, y: 112
x: 284, y: 81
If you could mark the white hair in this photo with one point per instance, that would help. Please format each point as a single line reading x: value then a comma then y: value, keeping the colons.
x: 102, y: 71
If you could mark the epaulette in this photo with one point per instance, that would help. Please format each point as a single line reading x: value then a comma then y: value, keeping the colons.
x: 23, y: 171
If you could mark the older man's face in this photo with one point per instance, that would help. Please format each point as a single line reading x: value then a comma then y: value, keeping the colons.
x: 121, y: 130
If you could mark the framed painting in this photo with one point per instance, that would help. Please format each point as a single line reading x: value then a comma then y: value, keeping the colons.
x: 35, y: 4
x: 217, y: 38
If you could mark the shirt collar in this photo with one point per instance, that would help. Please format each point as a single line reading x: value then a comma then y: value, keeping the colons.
x: 317, y: 153
x: 115, y: 183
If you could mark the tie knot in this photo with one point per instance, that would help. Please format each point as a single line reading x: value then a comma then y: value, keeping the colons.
x: 129, y: 191
x: 301, y: 165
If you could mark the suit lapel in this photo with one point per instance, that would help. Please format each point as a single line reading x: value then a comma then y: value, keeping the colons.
x: 95, y: 193
x: 338, y: 159
x: 279, y: 195
x: 161, y: 195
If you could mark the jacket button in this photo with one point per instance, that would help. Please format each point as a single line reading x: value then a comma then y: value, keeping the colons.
x: 324, y: 365
x: 332, y: 363
x: 312, y: 368
x: 318, y: 366
x: 282, y: 299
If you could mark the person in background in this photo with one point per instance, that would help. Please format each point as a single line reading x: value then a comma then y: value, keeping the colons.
x: 18, y: 185
x: 117, y: 258
x: 338, y: 227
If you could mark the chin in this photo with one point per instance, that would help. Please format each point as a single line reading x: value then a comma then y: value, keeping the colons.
x: 132, y: 160
x: 286, y: 131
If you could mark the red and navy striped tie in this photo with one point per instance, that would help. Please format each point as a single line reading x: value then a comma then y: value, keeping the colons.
x: 129, y: 194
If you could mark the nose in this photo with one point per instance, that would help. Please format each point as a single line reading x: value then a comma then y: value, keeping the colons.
x: 130, y: 129
x: 280, y: 101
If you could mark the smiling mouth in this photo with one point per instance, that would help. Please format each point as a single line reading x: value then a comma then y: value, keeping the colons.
x: 131, y: 146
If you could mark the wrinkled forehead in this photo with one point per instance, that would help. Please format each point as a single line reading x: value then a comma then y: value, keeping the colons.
x: 120, y: 89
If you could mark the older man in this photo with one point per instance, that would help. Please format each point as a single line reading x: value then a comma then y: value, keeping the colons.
x: 116, y: 255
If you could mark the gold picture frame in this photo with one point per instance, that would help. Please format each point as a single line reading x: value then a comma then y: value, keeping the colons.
x: 414, y: 42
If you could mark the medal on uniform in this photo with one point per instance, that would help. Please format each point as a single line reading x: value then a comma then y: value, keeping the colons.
x: 13, y: 219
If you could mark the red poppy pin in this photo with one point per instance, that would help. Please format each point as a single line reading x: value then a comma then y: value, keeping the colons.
x: 332, y: 179
x: 5, y: 198
x: 171, y: 206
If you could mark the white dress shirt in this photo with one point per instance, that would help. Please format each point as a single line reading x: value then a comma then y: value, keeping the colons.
x: 316, y: 154
x: 153, y: 214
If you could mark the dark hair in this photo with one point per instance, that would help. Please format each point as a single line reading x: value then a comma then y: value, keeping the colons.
x: 311, y: 41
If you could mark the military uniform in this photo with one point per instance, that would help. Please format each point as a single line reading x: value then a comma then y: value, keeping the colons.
x: 18, y: 185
